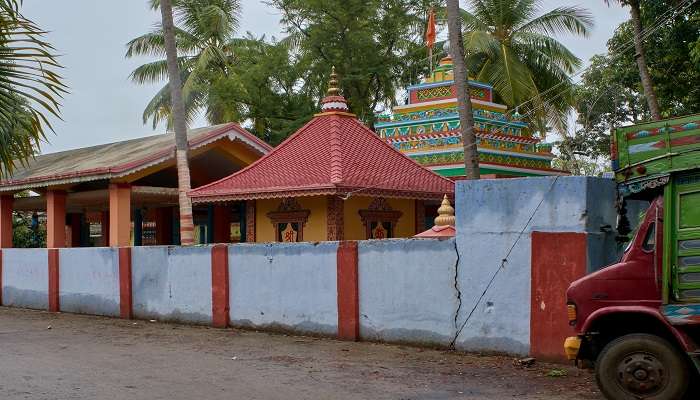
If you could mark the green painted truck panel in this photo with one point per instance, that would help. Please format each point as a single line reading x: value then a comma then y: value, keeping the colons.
x: 643, y: 151
x: 684, y: 245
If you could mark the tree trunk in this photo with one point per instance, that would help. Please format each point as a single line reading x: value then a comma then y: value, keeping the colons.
x: 178, y: 109
x: 640, y: 56
x: 464, y: 104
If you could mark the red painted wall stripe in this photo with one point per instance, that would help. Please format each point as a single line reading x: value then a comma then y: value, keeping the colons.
x: 348, y: 292
x: 557, y: 260
x: 219, y: 286
x: 54, y: 305
x: 126, y: 308
x: 0, y: 277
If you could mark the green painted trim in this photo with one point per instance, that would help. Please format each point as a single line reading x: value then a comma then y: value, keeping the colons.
x: 669, y: 241
x: 452, y: 172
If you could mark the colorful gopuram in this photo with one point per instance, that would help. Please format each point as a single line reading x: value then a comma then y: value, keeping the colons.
x: 426, y: 130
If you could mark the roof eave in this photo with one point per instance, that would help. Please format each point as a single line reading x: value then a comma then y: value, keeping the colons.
x: 345, y: 192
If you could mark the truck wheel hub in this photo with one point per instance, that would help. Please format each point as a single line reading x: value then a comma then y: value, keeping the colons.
x: 641, y: 373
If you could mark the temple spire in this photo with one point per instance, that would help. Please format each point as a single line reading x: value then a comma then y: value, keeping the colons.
x: 333, y: 100
x: 333, y: 84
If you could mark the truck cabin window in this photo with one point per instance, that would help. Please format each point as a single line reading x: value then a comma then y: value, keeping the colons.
x: 650, y: 238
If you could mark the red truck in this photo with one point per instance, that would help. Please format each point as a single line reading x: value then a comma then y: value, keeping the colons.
x: 637, y: 322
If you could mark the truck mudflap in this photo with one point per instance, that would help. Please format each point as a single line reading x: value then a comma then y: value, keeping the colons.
x: 695, y: 357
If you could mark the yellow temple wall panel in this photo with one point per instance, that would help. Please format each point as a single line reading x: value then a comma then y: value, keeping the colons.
x: 354, y: 230
x: 314, y: 230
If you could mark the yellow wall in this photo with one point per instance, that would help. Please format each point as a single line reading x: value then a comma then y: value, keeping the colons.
x: 354, y: 230
x: 314, y: 230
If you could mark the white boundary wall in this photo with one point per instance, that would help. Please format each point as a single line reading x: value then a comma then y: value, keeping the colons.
x: 25, y: 278
x: 407, y: 290
x: 172, y: 283
x: 284, y: 286
x: 89, y: 281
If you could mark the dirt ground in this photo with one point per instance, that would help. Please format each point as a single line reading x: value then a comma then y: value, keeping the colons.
x: 63, y: 356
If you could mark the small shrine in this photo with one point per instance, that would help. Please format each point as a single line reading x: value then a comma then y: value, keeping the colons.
x: 426, y: 130
x: 444, y: 223
x: 333, y: 179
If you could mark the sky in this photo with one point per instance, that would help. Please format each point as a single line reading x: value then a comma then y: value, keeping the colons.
x: 104, y: 106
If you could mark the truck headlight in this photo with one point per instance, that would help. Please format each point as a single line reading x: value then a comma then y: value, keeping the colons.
x: 571, y: 313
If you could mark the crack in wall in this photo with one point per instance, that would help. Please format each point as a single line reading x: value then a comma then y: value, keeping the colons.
x: 459, y: 297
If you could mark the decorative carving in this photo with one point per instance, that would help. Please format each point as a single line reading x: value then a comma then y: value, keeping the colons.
x: 379, y: 218
x: 250, y: 221
x: 335, y: 227
x: 289, y: 221
x: 629, y: 188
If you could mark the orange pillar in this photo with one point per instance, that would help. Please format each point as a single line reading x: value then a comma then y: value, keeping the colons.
x: 222, y: 224
x: 119, y: 214
x: 6, y: 220
x: 164, y: 226
x: 55, y: 219
x: 348, y: 292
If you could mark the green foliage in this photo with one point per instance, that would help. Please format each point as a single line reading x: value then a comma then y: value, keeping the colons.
x: 376, y: 46
x: 30, y: 88
x: 264, y: 88
x: 557, y: 373
x: 610, y: 93
x: 510, y: 47
x: 204, y: 37
x: 25, y: 233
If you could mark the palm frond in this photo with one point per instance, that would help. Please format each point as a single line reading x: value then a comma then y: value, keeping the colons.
x: 573, y: 20
x: 156, y: 71
x: 542, y: 49
x: 30, y: 87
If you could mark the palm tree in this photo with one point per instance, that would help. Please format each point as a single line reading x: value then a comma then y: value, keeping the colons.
x: 204, y: 39
x: 640, y: 56
x: 466, y: 116
x: 514, y: 50
x: 178, y: 107
x: 30, y: 88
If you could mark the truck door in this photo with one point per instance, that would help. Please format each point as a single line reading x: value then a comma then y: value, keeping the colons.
x: 684, y: 237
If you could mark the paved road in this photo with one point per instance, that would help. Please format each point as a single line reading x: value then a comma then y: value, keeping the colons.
x: 82, y: 357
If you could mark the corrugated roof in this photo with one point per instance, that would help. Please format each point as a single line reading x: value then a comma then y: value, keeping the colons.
x: 332, y: 154
x: 117, y: 159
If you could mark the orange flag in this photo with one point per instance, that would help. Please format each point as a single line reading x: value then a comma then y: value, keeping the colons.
x: 430, y: 31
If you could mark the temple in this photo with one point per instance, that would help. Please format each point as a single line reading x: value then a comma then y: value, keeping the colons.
x: 426, y: 130
x: 333, y: 179
x: 125, y: 193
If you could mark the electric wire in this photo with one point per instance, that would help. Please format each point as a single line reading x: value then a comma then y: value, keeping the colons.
x: 503, y: 263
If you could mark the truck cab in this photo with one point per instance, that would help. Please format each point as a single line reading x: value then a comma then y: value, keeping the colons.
x: 637, y: 322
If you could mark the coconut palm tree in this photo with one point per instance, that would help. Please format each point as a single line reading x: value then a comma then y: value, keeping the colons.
x: 30, y: 88
x: 511, y: 47
x: 178, y: 117
x: 640, y: 56
x: 466, y: 116
x: 204, y: 40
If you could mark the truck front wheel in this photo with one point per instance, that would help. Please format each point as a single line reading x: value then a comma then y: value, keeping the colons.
x: 641, y: 366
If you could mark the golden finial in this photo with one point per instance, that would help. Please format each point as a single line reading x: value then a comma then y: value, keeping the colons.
x: 333, y: 84
x: 446, y: 214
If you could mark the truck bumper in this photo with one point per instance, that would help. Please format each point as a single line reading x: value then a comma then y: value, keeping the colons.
x: 572, y: 345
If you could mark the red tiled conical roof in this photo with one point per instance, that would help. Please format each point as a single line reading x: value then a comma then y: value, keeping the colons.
x: 332, y: 154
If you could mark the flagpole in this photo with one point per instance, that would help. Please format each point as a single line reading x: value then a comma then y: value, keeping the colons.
x: 430, y: 59
x: 430, y: 37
